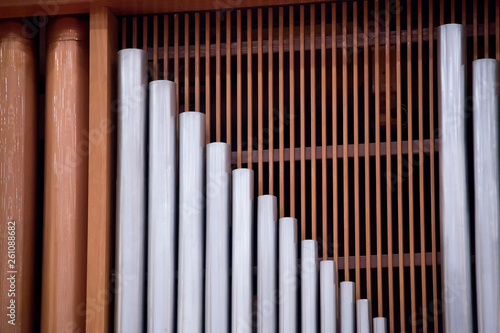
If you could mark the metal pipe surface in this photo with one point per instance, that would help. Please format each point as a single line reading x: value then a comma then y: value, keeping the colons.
x: 66, y: 175
x: 309, y: 285
x: 267, y: 247
x: 191, y: 221
x: 485, y: 85
x: 455, y: 233
x: 288, y: 279
x: 363, y: 316
x: 328, y: 296
x: 242, y: 212
x: 218, y: 242
x: 18, y: 177
x: 131, y: 190
x: 162, y: 206
x: 379, y: 325
x: 347, y: 307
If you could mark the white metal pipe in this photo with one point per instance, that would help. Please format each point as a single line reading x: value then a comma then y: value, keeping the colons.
x: 242, y: 218
x: 267, y: 246
x: 486, y: 80
x: 218, y: 251
x: 328, y: 296
x: 455, y: 234
x: 191, y: 221
x: 131, y: 190
x: 379, y: 325
x: 309, y: 285
x: 288, y: 281
x: 347, y: 307
x: 162, y: 205
x: 363, y: 316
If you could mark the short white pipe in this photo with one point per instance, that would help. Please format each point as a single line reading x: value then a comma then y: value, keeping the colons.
x: 288, y: 279
x: 379, y: 325
x: 363, y: 316
x: 328, y: 297
x: 267, y: 247
x: 347, y: 307
x: 309, y: 286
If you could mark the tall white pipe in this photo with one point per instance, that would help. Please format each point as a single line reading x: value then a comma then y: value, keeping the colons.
x: 347, y: 307
x: 267, y: 247
x: 162, y: 206
x: 288, y: 280
x: 131, y: 190
x: 309, y: 285
x: 379, y: 325
x: 455, y: 243
x: 363, y: 316
x: 328, y: 296
x: 485, y: 84
x: 218, y: 251
x: 191, y: 221
x: 242, y: 212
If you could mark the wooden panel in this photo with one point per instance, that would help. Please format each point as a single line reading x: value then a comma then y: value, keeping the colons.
x: 101, y: 211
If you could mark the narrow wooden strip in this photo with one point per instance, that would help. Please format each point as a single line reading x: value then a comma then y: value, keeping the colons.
x: 145, y: 33
x: 228, y: 77
x: 334, y: 137
x: 165, y: 47
x: 464, y: 12
x: 238, y: 86
x: 176, y: 63
x: 302, y: 129
x: 452, y: 11
x: 270, y: 109
x: 208, y: 102
x: 124, y: 32
x: 366, y: 88
x: 186, y: 62
x: 155, y: 47
x: 356, y: 145
x: 197, y: 73
x: 385, y: 260
x: 345, y: 136
x: 486, y: 31
x: 218, y: 111
x: 249, y: 91
x: 292, y: 111
x: 134, y: 32
x: 312, y: 25
x: 324, y: 180
x: 281, y: 101
x: 474, y: 29
x: 441, y: 11
x: 260, y: 105
x: 497, y: 29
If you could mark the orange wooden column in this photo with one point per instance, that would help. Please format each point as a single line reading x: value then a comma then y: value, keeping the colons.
x: 17, y: 177
x: 66, y: 166
x: 101, y: 196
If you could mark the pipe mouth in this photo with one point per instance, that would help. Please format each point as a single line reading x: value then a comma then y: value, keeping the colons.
x: 167, y: 83
x: 14, y: 30
x: 68, y: 28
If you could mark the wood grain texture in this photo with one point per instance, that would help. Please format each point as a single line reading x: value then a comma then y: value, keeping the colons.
x: 312, y: 31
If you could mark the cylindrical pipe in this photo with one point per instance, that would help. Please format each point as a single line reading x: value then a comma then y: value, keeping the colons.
x: 328, y: 296
x: 309, y: 285
x: 191, y: 221
x: 288, y: 280
x: 455, y: 243
x: 363, y: 316
x: 162, y: 205
x: 66, y: 174
x: 379, y: 325
x: 18, y: 183
x: 347, y: 306
x: 267, y: 246
x: 131, y: 190
x: 485, y: 84
x: 242, y: 211
x: 218, y: 241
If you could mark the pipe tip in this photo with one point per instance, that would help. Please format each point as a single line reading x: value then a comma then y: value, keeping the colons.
x: 71, y: 27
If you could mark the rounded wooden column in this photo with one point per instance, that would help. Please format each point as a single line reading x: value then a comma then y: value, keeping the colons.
x: 66, y: 173
x: 18, y: 132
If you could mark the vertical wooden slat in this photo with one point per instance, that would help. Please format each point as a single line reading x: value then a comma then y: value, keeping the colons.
x: 124, y: 33
x: 380, y: 307
x: 270, y: 110
x: 324, y: 189
x: 134, y: 32
x: 421, y: 176
x: 441, y: 11
x: 302, y: 128
x: 291, y: 47
x: 197, y: 73
x: 345, y: 137
x: 497, y: 29
x: 367, y: 151
x: 464, y: 12
x: 176, y: 61
x: 356, y: 144
x: 388, y: 163
x: 432, y: 171
x: 486, y: 30
x: 452, y: 11
x: 186, y: 62
x: 260, y: 104
x: 313, y: 122
x: 399, y: 166
x: 155, y: 47
x: 228, y: 77
x: 249, y: 89
x: 281, y: 101
x: 207, y: 78
x: 165, y: 47
x: 238, y: 87
x: 145, y: 33
x: 334, y: 136
x: 218, y: 111
x: 474, y: 29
